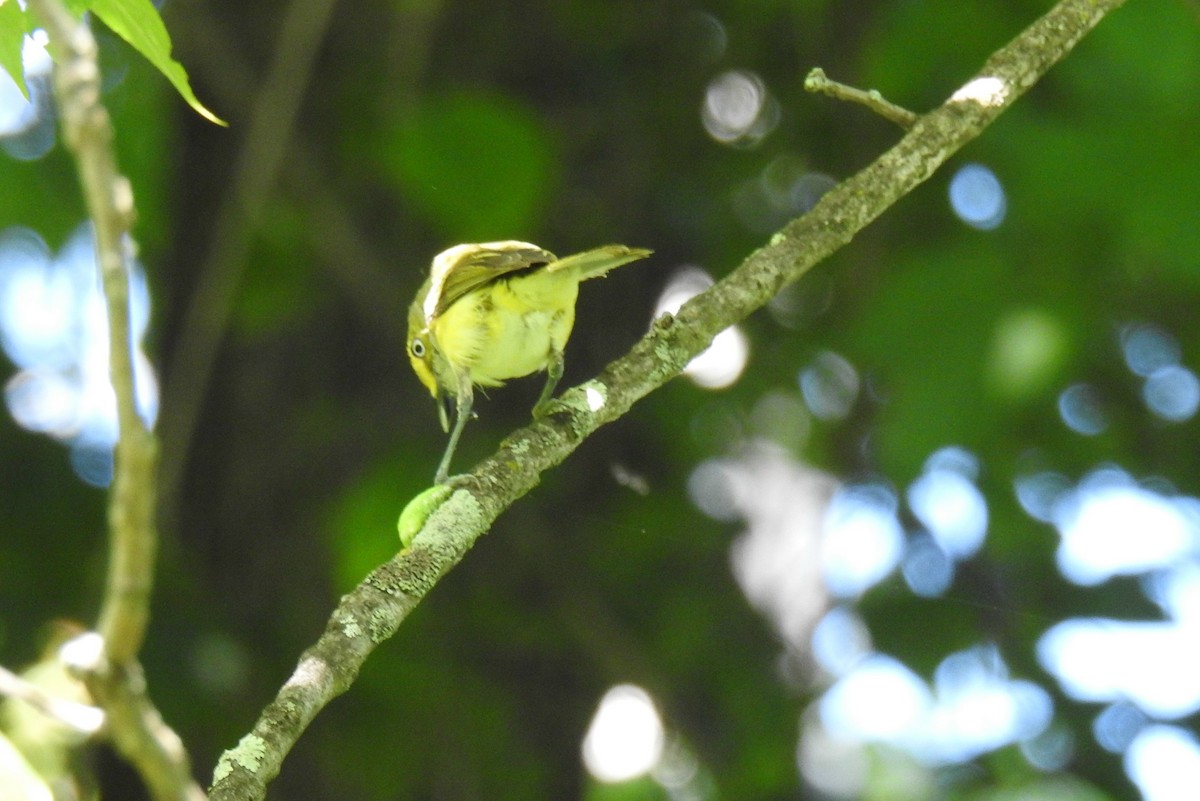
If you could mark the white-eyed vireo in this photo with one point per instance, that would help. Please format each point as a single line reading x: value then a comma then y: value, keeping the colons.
x: 494, y: 311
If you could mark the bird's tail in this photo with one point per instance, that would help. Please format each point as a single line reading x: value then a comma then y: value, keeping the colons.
x: 598, y: 261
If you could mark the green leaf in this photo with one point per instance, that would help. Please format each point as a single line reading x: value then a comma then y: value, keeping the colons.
x: 137, y: 22
x: 14, y: 24
x: 418, y: 510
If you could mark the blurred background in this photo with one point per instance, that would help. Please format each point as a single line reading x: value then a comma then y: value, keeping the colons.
x: 928, y: 526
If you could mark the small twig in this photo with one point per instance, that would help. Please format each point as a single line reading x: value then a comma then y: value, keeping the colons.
x: 113, y: 677
x: 817, y: 82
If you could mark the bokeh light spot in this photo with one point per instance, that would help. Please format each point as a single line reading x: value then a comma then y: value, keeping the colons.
x: 1028, y: 348
x: 775, y: 560
x: 977, y: 197
x: 927, y: 569
x: 710, y: 487
x: 881, y: 699
x: 1147, y: 348
x: 1080, y: 407
x: 980, y: 709
x: 1051, y: 750
x: 783, y: 190
x: 808, y: 189
x: 782, y: 417
x: 1172, y: 392
x: 1164, y: 763
x: 836, y: 766
x: 722, y: 362
x: 45, y: 401
x: 863, y: 539
x: 972, y: 708
x: 1110, y: 526
x: 947, y: 502
x: 625, y: 738
x: 840, y: 640
x: 830, y: 385
x: 738, y: 109
x: 220, y: 664
x: 1177, y: 588
x: 1038, y: 493
x: 27, y: 126
x: 54, y: 327
x: 1153, y: 665
x: 680, y: 772
x: 1117, y: 725
x: 92, y: 462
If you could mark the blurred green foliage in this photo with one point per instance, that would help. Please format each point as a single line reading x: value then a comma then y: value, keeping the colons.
x: 498, y: 177
x: 428, y: 123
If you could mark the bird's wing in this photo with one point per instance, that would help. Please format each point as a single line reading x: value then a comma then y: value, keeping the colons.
x: 464, y: 268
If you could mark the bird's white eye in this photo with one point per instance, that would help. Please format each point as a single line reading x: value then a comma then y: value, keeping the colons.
x: 418, y: 348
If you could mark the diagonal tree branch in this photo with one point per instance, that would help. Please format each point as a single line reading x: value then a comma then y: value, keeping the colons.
x: 374, y: 610
x: 113, y: 675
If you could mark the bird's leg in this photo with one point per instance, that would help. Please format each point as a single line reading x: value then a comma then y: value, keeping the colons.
x: 441, y: 407
x: 554, y: 371
x: 464, y: 400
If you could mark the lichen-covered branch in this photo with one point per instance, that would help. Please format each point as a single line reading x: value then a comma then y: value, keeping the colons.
x: 374, y: 609
x: 115, y: 679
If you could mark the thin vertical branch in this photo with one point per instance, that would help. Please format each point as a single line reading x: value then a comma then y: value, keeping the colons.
x: 115, y: 678
x: 262, y: 157
x: 89, y: 136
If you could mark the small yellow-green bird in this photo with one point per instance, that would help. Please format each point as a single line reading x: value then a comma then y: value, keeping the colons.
x: 494, y: 311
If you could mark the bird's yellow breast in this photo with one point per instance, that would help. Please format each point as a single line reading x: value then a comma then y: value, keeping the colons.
x: 510, y: 327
